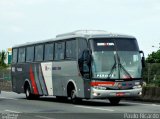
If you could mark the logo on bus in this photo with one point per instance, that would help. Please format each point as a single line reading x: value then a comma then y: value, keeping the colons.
x: 105, y: 44
x: 56, y: 68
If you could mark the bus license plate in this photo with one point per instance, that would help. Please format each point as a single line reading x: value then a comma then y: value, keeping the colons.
x: 120, y: 94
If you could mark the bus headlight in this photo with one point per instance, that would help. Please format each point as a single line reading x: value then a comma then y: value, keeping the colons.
x: 137, y: 83
x: 139, y: 86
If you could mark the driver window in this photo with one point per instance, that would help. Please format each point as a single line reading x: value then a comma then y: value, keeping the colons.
x: 82, y: 46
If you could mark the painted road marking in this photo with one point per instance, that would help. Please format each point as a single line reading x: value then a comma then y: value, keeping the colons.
x: 44, y: 117
x: 141, y: 103
x: 155, y: 105
x: 95, y: 108
x: 11, y: 111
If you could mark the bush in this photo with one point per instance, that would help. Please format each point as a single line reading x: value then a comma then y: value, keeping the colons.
x: 151, y: 74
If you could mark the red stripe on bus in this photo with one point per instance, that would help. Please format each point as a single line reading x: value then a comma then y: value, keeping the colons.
x: 99, y: 83
x: 35, y: 90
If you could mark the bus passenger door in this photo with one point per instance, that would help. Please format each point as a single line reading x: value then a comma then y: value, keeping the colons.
x: 84, y: 65
x: 47, y: 74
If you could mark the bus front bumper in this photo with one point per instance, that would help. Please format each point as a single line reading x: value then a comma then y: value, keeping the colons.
x: 100, y: 94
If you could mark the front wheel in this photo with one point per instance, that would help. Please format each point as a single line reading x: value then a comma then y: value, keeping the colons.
x: 74, y: 98
x: 114, y: 101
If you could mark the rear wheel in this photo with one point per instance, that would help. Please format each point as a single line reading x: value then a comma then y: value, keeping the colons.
x: 114, y: 101
x: 29, y: 96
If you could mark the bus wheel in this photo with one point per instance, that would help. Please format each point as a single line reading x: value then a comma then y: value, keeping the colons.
x: 114, y: 101
x: 29, y: 96
x: 74, y: 98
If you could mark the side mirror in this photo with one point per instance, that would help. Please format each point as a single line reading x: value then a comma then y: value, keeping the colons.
x: 86, y: 62
x: 143, y: 58
x: 143, y: 62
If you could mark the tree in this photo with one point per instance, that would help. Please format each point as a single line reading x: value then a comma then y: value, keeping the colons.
x: 154, y: 57
x: 2, y: 58
x: 151, y: 73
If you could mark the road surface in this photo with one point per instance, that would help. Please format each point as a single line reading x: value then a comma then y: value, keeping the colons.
x: 15, y: 106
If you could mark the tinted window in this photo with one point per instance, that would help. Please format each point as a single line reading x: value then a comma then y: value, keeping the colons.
x: 59, y: 50
x: 71, y: 49
x: 82, y: 45
x: 126, y: 44
x: 39, y: 53
x: 14, y: 59
x: 21, y: 55
x: 48, y: 55
x: 30, y: 54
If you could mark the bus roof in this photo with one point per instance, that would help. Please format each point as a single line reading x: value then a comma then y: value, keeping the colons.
x: 79, y: 33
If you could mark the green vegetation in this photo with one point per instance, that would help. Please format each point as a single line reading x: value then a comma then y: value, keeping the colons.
x: 151, y: 73
x: 2, y: 59
x: 4, y: 68
x: 154, y: 57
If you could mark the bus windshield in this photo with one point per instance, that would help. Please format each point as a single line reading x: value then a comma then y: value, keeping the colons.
x: 115, y: 58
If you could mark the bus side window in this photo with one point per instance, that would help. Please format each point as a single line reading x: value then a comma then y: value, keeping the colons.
x: 82, y: 46
x: 39, y: 53
x: 71, y: 49
x: 48, y: 55
x: 30, y: 54
x: 21, y: 55
x: 59, y: 50
x: 14, y: 59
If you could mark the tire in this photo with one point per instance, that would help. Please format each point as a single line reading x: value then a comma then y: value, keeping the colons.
x: 74, y: 98
x: 28, y: 93
x: 114, y: 101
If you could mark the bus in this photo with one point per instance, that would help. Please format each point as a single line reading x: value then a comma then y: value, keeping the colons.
x: 84, y: 64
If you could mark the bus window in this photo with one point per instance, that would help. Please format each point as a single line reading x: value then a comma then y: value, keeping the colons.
x: 59, y: 50
x: 39, y: 53
x: 30, y: 54
x: 82, y: 45
x: 48, y: 55
x: 21, y: 55
x: 71, y: 49
x: 14, y: 60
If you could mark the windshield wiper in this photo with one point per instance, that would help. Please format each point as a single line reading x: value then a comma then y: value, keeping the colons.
x: 122, y: 67
x: 113, y: 67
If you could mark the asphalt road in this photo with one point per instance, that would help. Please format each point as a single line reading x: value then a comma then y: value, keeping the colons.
x: 15, y: 106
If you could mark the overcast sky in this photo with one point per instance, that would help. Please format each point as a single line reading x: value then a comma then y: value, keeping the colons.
x: 24, y: 21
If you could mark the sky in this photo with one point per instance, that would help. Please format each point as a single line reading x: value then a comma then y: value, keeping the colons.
x: 24, y: 21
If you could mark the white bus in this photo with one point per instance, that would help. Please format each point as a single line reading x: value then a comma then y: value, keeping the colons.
x: 79, y: 65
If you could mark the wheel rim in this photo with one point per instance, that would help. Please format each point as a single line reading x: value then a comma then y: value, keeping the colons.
x: 73, y: 95
x: 27, y: 93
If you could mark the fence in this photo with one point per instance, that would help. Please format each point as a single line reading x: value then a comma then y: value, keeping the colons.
x: 5, y: 79
x: 5, y: 74
x: 151, y: 74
